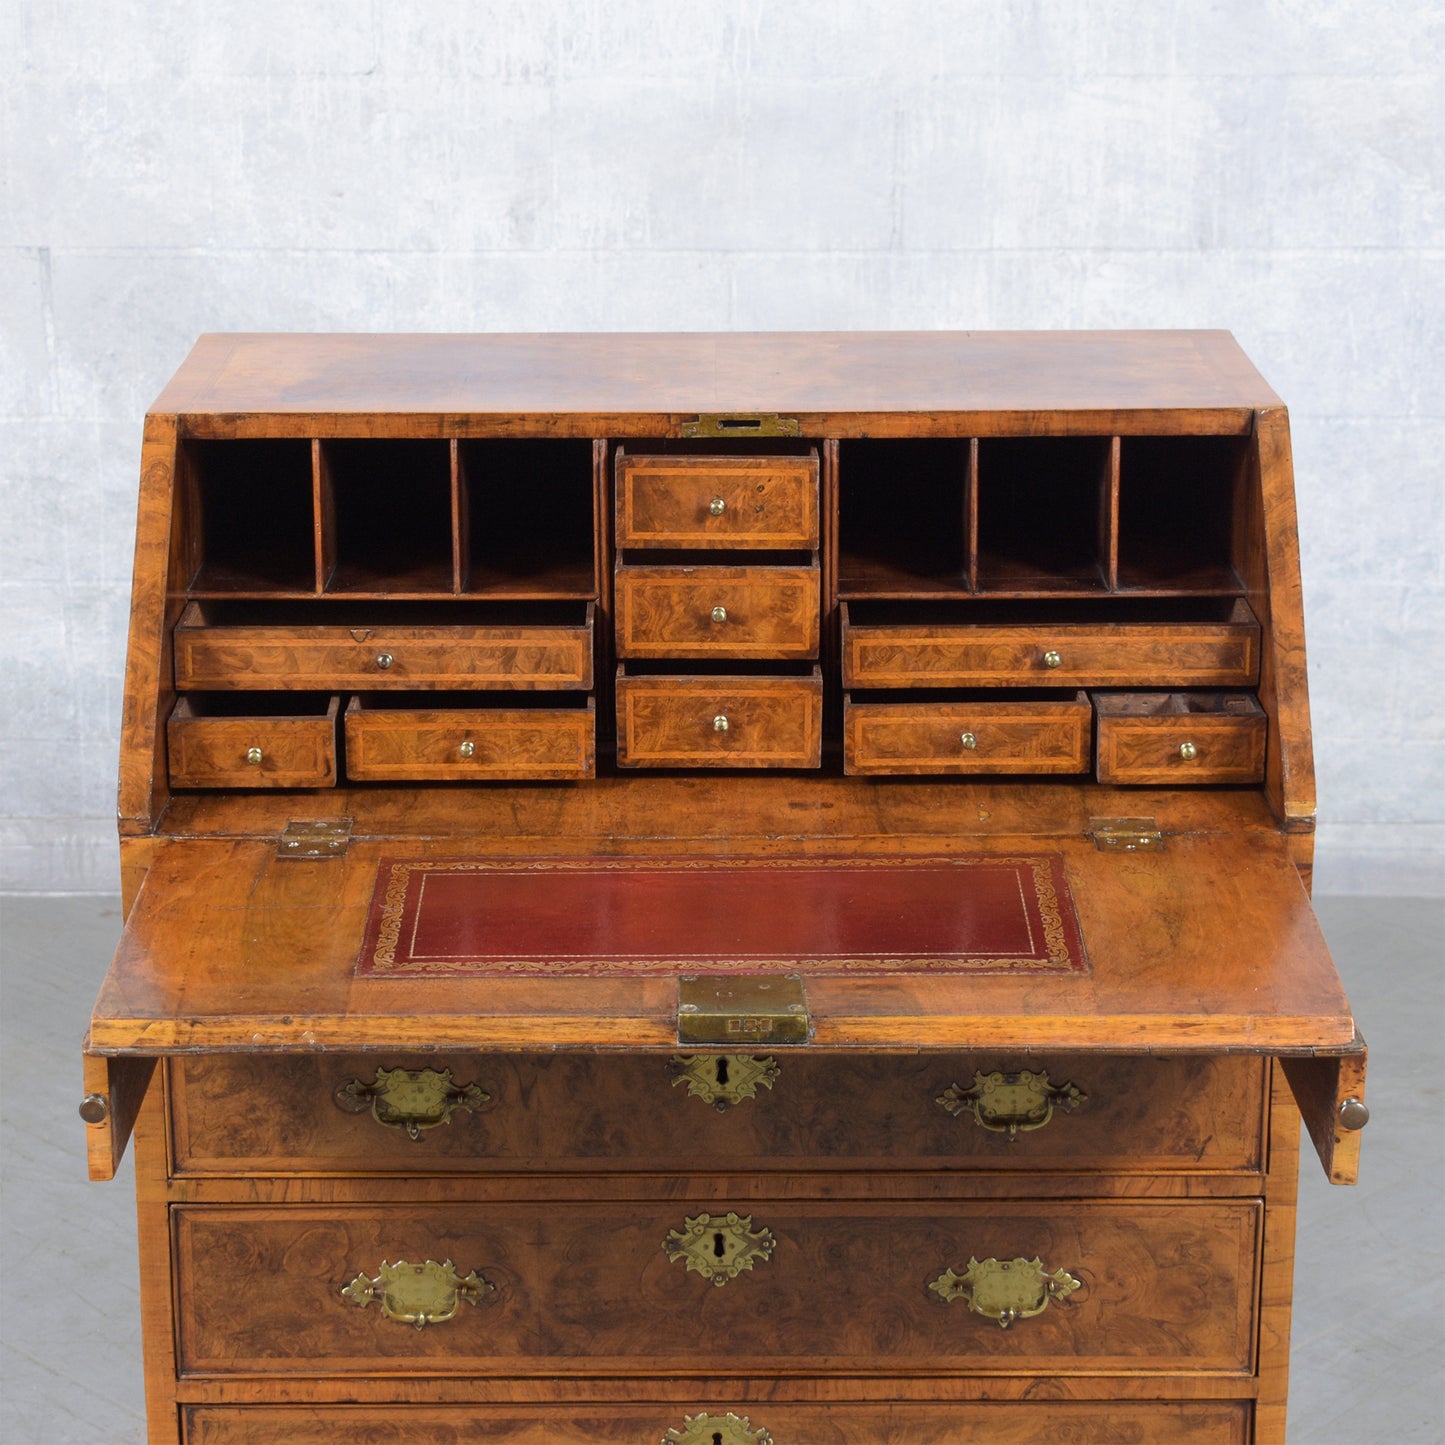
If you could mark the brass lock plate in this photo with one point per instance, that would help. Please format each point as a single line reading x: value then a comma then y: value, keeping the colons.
x: 741, y: 1008
x: 735, y: 425
x: 707, y: 1429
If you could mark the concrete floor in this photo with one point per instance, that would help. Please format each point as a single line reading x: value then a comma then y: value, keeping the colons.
x: 1369, y: 1351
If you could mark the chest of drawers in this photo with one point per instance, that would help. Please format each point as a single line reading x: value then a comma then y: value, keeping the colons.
x: 718, y: 889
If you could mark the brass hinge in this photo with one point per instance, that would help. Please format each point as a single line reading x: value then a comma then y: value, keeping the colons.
x: 315, y: 838
x: 741, y: 1008
x: 1126, y: 835
x: 735, y: 425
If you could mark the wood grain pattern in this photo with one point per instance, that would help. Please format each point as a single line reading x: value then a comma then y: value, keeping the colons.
x: 216, y: 752
x: 668, y: 501
x: 669, y: 722
x: 1140, y: 737
x: 925, y: 736
x: 771, y: 612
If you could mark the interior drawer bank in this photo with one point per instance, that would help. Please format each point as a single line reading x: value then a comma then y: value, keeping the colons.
x: 357, y: 645
x: 827, y: 1287
x: 1119, y: 642
x: 560, y: 1113
x: 702, y: 1420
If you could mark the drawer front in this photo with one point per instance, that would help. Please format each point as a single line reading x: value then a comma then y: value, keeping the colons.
x: 733, y: 612
x: 720, y: 722
x: 694, y: 1419
x: 569, y: 1113
x: 394, y: 745
x: 722, y: 502
x: 579, y: 1288
x: 1069, y: 655
x: 1179, y: 749
x: 975, y: 737
x: 251, y: 752
x: 383, y: 657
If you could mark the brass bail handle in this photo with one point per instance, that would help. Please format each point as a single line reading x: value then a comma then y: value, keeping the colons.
x: 410, y: 1099
x: 1011, y: 1103
x: 418, y: 1294
x: 1005, y: 1290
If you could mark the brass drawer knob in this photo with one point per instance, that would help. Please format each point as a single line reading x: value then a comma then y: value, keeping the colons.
x: 418, y: 1294
x: 723, y: 1079
x: 719, y: 614
x: 969, y: 741
x: 468, y: 748
x: 253, y: 756
x: 717, y: 506
x: 1188, y: 752
x: 384, y: 660
x: 719, y: 1247
x: 1011, y: 1103
x: 720, y: 723
x: 726, y: 1429
x: 1052, y: 659
x: 1005, y: 1289
x: 410, y: 1099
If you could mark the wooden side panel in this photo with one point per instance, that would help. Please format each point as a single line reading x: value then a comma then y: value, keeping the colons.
x: 1277, y: 1269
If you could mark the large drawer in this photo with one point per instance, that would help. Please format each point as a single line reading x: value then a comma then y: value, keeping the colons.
x: 562, y: 1113
x: 701, y: 1421
x: 392, y: 744
x: 733, y: 612
x: 520, y: 655
x: 1014, y: 735
x: 719, y: 502
x: 716, y: 1286
x: 252, y: 741
x: 958, y: 653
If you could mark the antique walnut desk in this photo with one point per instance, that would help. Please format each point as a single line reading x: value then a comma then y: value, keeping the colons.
x: 718, y: 889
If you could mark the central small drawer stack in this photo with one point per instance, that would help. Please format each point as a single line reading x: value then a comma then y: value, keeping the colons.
x: 718, y: 611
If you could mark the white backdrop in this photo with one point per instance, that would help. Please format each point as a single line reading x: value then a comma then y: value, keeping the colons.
x: 1273, y: 167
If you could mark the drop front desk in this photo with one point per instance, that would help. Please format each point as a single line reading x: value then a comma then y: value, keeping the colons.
x: 718, y: 889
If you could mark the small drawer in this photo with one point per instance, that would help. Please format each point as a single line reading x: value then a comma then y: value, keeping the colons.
x: 405, y: 743
x: 720, y: 722
x: 966, y: 736
x: 252, y: 740
x: 733, y: 612
x: 953, y: 652
x: 721, y: 502
x: 218, y: 647
x: 1189, y: 737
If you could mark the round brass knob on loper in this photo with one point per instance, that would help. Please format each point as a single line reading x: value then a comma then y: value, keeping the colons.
x: 95, y: 1108
x: 1353, y: 1114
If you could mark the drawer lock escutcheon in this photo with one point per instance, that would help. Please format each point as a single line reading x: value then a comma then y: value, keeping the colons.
x: 410, y: 1099
x: 726, y: 1429
x: 1005, y: 1289
x: 418, y: 1294
x: 719, y: 1247
x: 1011, y: 1104
x: 737, y: 424
x: 723, y: 1080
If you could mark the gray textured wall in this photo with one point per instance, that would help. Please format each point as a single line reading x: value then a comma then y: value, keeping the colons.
x: 1269, y: 166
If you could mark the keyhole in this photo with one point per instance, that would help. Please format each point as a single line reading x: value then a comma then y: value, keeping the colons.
x: 717, y: 1437
x: 717, y: 1246
x: 722, y: 1071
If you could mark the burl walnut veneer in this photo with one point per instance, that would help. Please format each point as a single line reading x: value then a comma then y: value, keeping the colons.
x: 718, y: 889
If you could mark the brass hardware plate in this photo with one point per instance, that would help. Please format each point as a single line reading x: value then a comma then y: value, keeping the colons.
x: 726, y: 1429
x: 1126, y: 835
x: 1005, y: 1290
x: 1011, y: 1104
x: 418, y: 1294
x: 740, y: 424
x: 410, y: 1099
x: 318, y: 838
x: 739, y: 1008
x: 723, y: 1080
x: 719, y: 1247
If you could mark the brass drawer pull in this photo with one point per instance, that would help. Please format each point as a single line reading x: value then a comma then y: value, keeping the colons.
x: 410, y: 1099
x: 1052, y: 659
x: 717, y: 507
x: 726, y: 1429
x: 723, y: 1079
x: 1011, y: 1104
x: 719, y: 1247
x: 719, y: 614
x: 418, y: 1294
x: 468, y: 749
x: 384, y: 660
x: 253, y: 756
x: 969, y: 741
x: 1188, y: 752
x: 1005, y: 1290
x: 720, y: 723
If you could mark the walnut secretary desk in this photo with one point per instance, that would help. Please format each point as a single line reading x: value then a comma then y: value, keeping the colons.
x: 718, y: 889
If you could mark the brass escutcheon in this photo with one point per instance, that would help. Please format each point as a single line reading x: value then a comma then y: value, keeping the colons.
x: 418, y: 1294
x: 719, y: 1247
x: 1005, y: 1289
x: 723, y: 1079
x: 1013, y: 1103
x: 726, y: 1429
x: 410, y: 1099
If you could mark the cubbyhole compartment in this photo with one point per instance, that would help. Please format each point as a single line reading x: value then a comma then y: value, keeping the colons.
x: 253, y: 521
x: 529, y: 518
x: 387, y: 524
x: 1177, y: 499
x: 903, y: 517
x: 1043, y: 514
